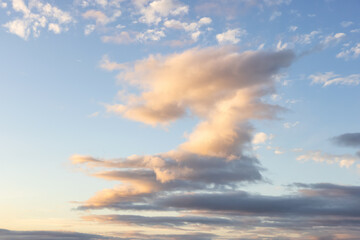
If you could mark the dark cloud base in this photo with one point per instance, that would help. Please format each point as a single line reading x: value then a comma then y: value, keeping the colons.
x: 347, y: 140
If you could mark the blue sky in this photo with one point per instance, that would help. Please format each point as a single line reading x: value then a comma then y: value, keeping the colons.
x: 169, y: 119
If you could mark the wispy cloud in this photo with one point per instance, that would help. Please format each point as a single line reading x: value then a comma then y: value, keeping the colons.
x: 330, y: 78
x: 275, y: 15
x: 344, y: 160
x: 291, y: 124
x: 353, y: 52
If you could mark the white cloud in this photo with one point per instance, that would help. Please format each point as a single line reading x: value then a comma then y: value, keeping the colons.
x: 290, y: 124
x: 346, y: 23
x: 37, y: 15
x: 120, y: 38
x: 55, y: 28
x: 333, y: 39
x: 274, y: 15
x: 293, y: 28
x: 275, y: 97
x: 106, y: 64
x: 98, y: 16
x: 95, y: 114
x: 3, y: 4
x: 102, y: 3
x: 281, y: 46
x: 155, y: 11
x: 150, y: 34
x: 18, y: 27
x: 330, y: 78
x: 193, y: 28
x: 277, y: 2
x: 261, y: 46
x: 344, y: 160
x: 89, y: 29
x: 278, y: 152
x: 98, y: 3
x: 306, y: 38
x: 353, y: 52
x: 292, y: 101
x: 231, y: 36
x: 261, y: 137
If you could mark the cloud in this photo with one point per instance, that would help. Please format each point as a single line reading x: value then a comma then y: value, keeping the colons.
x: 346, y: 23
x: 224, y: 89
x: 348, y: 140
x: 60, y: 235
x: 106, y: 64
x: 153, y: 12
x: 332, y: 39
x: 37, y: 15
x: 123, y: 37
x: 173, y: 221
x: 100, y: 17
x: 277, y: 2
x: 306, y: 38
x: 330, y: 78
x: 291, y: 125
x: 150, y: 34
x: 311, y: 200
x: 47, y: 235
x: 193, y: 28
x: 261, y: 138
x: 274, y: 15
x: 3, y: 4
x: 293, y: 28
x: 98, y: 3
x: 353, y: 52
x: 281, y: 46
x: 144, y: 177
x: 344, y: 160
x: 310, y: 210
x: 231, y: 36
x: 166, y: 95
x: 89, y: 29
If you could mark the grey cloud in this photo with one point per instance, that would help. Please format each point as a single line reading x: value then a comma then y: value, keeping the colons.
x: 328, y: 189
x: 348, y: 140
x: 160, y: 221
x: 345, y: 201
x: 165, y: 173
x: 48, y: 235
x: 58, y: 235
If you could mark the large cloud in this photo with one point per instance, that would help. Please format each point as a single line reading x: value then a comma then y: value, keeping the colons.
x: 224, y: 89
x: 201, y: 179
x: 314, y: 210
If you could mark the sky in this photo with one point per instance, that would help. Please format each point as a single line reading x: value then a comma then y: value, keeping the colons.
x: 179, y: 119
